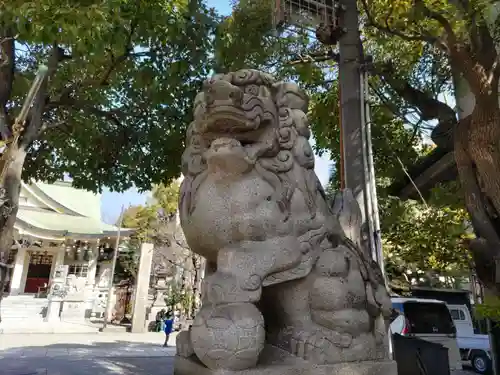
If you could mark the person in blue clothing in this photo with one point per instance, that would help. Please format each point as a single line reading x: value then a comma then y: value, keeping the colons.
x: 168, y: 324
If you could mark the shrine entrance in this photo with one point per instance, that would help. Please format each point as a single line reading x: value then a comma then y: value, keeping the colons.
x: 40, y: 264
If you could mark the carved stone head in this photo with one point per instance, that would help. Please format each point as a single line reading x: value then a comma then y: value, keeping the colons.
x: 246, y: 121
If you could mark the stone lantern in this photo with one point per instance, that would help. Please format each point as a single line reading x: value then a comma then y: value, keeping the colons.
x: 161, y: 287
x: 163, y: 275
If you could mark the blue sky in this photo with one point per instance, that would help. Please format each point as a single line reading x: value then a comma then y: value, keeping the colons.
x: 111, y: 203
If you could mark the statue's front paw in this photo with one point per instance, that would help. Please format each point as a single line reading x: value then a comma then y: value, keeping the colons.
x: 228, y: 337
x: 220, y: 288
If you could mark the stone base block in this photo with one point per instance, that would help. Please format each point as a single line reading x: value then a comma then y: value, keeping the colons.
x: 276, y: 362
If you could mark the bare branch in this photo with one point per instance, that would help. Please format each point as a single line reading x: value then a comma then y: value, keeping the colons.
x: 181, y: 242
x: 51, y: 125
x: 440, y: 19
x: 115, y: 62
x: 112, y: 115
x: 429, y: 107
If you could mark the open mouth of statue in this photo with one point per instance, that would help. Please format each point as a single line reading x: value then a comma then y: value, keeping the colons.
x: 227, y: 120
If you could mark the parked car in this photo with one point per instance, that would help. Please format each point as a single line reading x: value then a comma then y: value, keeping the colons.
x: 474, y: 348
x: 428, y: 320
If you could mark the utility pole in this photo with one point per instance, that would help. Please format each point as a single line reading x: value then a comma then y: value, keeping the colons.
x: 356, y: 167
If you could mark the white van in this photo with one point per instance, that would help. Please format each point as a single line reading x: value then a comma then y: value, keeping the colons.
x: 428, y: 320
x: 474, y: 348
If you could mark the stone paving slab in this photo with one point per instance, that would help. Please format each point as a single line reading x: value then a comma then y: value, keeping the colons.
x: 89, y: 366
x: 90, y: 354
x: 81, y: 327
x: 101, y: 366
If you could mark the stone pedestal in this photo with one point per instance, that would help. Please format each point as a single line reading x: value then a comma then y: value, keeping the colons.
x: 57, y: 293
x: 159, y: 302
x: 274, y: 361
x: 73, y: 310
x: 53, y: 310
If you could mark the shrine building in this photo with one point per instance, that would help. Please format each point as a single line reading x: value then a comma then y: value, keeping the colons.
x: 60, y: 225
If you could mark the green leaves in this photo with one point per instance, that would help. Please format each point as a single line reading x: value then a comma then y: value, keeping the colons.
x: 167, y: 197
x: 425, y: 238
x: 141, y: 218
x: 117, y: 110
x: 147, y: 220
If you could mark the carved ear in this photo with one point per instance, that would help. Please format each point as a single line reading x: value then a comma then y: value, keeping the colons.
x: 290, y: 95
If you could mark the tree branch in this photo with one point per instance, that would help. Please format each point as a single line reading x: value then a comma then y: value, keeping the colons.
x: 7, y: 69
x: 120, y: 59
x: 35, y: 116
x: 429, y: 107
x: 441, y: 20
x: 115, y: 63
x: 111, y: 115
x: 51, y: 125
x: 386, y: 29
x: 461, y: 58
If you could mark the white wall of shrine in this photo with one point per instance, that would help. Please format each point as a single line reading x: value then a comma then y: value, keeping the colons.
x: 36, y: 244
x: 83, y: 267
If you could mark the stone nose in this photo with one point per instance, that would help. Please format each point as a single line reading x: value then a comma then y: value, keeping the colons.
x: 223, y: 92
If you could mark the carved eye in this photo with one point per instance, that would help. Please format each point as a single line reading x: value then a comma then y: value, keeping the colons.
x: 252, y: 89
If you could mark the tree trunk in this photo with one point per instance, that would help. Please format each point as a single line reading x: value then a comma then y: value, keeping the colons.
x: 8, y: 213
x: 196, y: 280
x: 477, y: 155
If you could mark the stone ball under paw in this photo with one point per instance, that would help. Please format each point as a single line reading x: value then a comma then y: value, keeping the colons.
x: 229, y: 336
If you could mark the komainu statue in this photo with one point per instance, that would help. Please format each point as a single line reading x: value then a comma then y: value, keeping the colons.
x: 287, y: 284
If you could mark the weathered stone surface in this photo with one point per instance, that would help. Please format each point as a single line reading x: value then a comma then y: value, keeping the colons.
x: 281, y: 257
x: 278, y: 362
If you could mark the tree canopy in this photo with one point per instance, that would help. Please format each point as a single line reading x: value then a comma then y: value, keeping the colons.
x: 122, y: 80
x: 146, y: 219
x: 122, y: 77
x: 408, y: 77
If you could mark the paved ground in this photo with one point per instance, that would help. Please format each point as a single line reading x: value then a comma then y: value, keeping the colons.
x: 89, y: 354
x: 85, y: 354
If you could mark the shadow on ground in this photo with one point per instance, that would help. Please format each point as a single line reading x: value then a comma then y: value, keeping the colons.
x: 97, y: 358
x: 118, y: 357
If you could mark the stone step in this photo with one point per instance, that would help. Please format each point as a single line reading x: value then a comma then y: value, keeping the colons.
x: 25, y: 312
x: 32, y: 320
x: 24, y: 300
x: 23, y: 304
x: 26, y: 308
x: 20, y: 315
